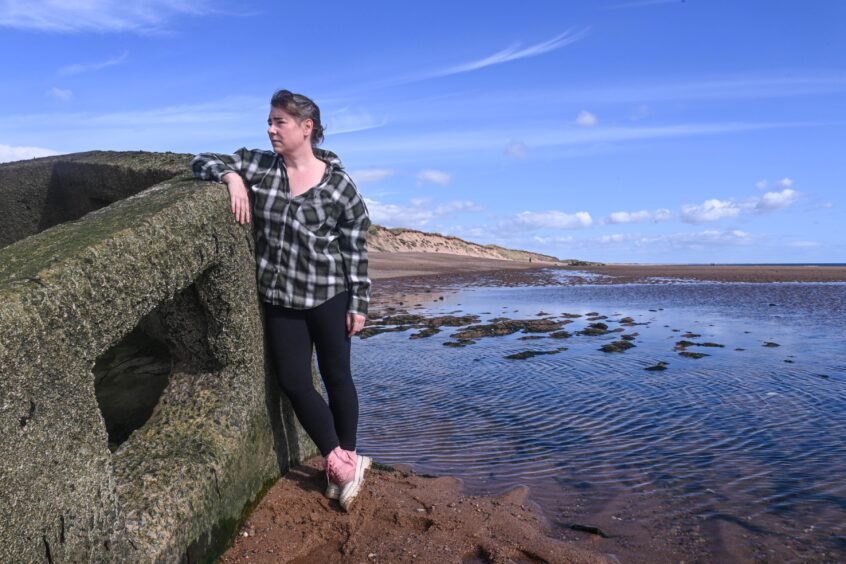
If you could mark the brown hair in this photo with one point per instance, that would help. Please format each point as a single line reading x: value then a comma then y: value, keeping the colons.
x: 301, y: 107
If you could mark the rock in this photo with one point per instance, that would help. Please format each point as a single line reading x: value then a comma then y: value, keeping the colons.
x: 660, y: 365
x: 688, y: 354
x: 771, y: 344
x: 616, y: 346
x: 528, y: 354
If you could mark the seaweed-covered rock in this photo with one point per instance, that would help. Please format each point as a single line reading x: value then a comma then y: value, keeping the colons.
x: 658, y: 366
x: 373, y: 330
x: 522, y: 355
x: 425, y: 332
x: 507, y: 327
x: 459, y: 343
x: 616, y: 346
x: 689, y: 354
x: 594, y: 329
x: 560, y: 335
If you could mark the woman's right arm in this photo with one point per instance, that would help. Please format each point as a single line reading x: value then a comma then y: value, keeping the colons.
x: 227, y: 169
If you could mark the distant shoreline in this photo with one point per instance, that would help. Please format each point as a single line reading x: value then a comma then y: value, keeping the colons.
x: 385, y: 266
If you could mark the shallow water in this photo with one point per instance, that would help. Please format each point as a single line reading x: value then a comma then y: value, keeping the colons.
x: 739, y: 455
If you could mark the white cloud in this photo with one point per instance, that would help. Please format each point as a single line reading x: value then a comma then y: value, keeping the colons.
x: 60, y: 94
x: 586, y: 119
x: 785, y: 182
x: 777, y: 200
x: 661, y: 214
x: 710, y: 210
x: 696, y: 239
x: 517, y: 149
x: 79, y: 68
x: 762, y: 185
x: 804, y: 244
x: 514, y: 53
x: 417, y: 213
x: 371, y: 174
x: 434, y: 177
x: 9, y: 153
x: 347, y: 120
x: 74, y: 16
x: 547, y: 241
x: 828, y: 205
x: 553, y: 220
x: 458, y: 206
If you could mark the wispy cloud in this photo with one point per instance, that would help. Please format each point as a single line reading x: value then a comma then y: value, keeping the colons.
x: 451, y: 141
x: 586, y: 119
x: 517, y: 149
x: 371, y: 174
x: 512, y: 53
x: 431, y: 176
x: 61, y: 94
x: 349, y: 120
x: 417, y: 213
x: 9, y: 153
x: 73, y: 16
x: 642, y: 216
x: 79, y: 68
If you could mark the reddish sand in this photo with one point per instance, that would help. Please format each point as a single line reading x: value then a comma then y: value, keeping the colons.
x: 398, y: 517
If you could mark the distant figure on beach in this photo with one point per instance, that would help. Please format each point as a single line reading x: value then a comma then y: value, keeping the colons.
x: 311, y: 258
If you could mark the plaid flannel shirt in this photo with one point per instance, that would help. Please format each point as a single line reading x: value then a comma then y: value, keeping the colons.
x: 311, y: 247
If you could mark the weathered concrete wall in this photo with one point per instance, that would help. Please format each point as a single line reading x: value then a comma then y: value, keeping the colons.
x: 171, y: 263
x: 40, y: 193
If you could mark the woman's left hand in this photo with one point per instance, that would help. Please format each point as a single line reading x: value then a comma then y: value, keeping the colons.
x: 355, y: 323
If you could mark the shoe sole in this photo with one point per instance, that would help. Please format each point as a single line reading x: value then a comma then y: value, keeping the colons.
x: 350, y: 491
x: 333, y: 491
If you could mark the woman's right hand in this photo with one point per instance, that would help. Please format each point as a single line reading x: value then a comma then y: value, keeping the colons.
x: 239, y: 201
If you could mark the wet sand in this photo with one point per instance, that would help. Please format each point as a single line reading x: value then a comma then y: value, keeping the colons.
x: 399, y: 516
x: 455, y: 267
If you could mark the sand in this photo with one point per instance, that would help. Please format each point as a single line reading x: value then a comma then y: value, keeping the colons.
x: 396, y: 265
x: 398, y: 517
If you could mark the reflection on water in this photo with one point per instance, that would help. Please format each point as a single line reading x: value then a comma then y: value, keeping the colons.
x: 737, y: 455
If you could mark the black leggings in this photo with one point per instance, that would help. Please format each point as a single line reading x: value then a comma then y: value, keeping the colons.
x: 291, y: 334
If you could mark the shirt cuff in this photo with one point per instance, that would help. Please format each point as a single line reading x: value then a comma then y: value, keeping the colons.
x: 357, y: 305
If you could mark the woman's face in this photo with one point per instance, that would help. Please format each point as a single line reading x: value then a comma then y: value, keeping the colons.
x: 285, y: 132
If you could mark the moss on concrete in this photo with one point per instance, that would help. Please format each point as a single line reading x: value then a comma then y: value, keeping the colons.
x: 220, y: 431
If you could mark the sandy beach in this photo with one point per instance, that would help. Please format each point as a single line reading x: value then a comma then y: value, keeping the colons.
x: 398, y: 265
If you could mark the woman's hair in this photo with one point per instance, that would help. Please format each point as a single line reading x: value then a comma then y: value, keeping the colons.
x: 301, y: 107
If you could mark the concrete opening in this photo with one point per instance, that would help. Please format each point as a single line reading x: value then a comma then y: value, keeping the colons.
x: 129, y: 377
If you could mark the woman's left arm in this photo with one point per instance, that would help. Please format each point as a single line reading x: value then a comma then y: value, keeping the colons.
x: 353, y: 226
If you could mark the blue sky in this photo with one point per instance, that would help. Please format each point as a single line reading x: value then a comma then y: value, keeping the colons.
x: 612, y: 130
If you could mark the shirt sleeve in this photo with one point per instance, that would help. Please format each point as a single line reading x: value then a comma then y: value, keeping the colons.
x: 212, y: 166
x: 353, y: 226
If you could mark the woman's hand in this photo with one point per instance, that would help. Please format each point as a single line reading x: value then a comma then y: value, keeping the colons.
x: 355, y: 323
x: 239, y: 201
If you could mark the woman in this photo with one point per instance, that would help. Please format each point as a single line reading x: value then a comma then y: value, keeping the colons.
x: 311, y: 258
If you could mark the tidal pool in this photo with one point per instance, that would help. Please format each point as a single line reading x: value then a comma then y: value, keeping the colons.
x: 735, y: 456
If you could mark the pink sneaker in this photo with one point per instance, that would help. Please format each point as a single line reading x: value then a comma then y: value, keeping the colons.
x: 344, y: 475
